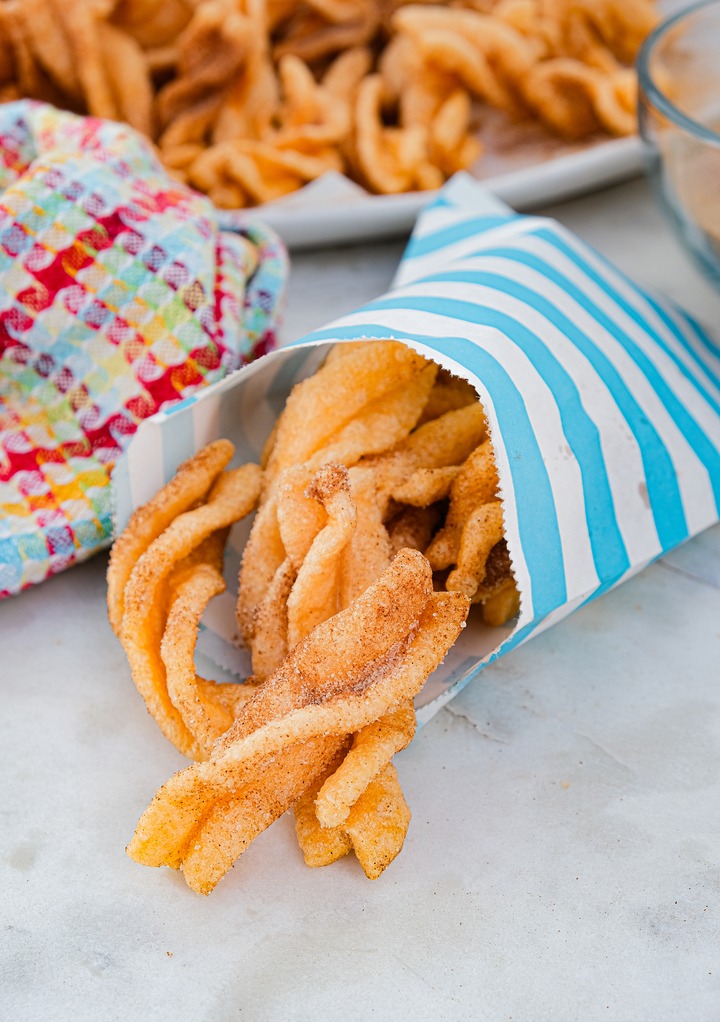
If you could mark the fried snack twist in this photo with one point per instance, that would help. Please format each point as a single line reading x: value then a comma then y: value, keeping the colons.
x: 249, y: 100
x: 355, y: 405
x: 340, y: 679
x: 188, y: 486
x: 378, y: 472
x: 170, y: 545
x: 471, y: 540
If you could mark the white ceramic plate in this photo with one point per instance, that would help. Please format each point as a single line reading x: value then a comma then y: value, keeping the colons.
x: 522, y: 167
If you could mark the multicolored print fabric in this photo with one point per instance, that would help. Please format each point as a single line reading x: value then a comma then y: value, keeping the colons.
x: 119, y: 294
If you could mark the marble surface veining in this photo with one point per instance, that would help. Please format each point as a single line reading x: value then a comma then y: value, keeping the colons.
x: 563, y: 862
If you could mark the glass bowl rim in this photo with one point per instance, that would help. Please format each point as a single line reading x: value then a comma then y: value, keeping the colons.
x: 652, y: 91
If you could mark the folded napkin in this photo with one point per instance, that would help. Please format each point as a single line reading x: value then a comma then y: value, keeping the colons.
x: 119, y: 293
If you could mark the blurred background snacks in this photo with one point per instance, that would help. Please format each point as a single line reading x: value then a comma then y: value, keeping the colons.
x: 249, y: 100
x: 679, y: 78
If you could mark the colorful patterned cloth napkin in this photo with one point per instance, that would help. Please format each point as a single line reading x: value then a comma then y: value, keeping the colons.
x: 119, y: 293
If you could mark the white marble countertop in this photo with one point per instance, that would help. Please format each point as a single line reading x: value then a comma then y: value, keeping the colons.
x: 563, y: 861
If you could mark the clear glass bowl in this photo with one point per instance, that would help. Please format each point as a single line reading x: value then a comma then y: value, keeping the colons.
x: 679, y: 111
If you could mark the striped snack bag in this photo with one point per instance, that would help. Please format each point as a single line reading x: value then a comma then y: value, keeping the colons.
x: 602, y: 404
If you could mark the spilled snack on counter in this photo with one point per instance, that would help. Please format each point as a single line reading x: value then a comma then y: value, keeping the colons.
x: 249, y: 100
x: 377, y: 524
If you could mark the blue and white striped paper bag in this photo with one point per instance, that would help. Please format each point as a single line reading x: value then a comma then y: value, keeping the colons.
x: 603, y: 404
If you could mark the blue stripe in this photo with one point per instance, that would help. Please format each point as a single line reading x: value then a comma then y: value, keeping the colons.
x: 546, y: 269
x: 659, y: 308
x: 179, y: 405
x: 608, y: 548
x: 537, y: 518
x: 663, y: 490
x: 421, y: 246
x: 629, y: 309
x: 696, y: 437
x: 672, y: 326
x: 702, y: 335
x: 359, y: 332
x: 440, y: 203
